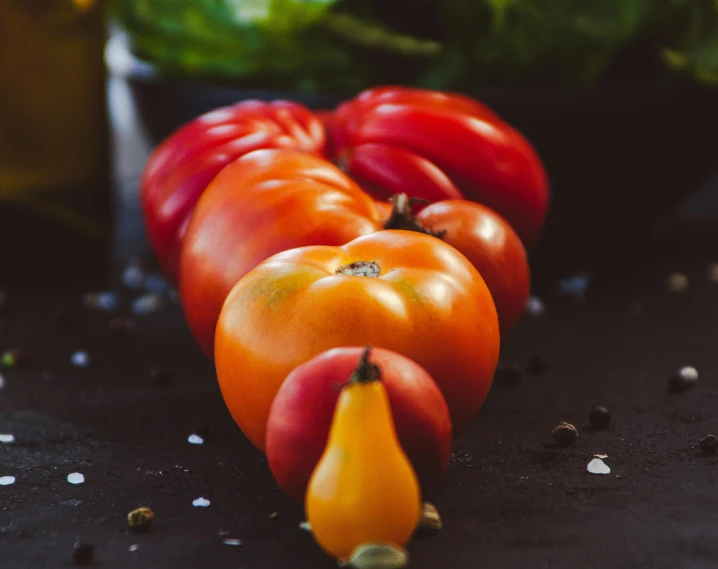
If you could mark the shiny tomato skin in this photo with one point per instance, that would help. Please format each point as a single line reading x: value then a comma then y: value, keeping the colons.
x: 266, y: 202
x: 179, y: 170
x: 428, y: 303
x: 492, y: 246
x: 301, y: 416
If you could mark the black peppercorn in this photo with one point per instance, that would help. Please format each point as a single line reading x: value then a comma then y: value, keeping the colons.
x: 509, y: 374
x: 82, y: 551
x: 537, y: 366
x: 599, y: 417
x: 564, y: 434
x: 140, y: 519
x: 709, y: 445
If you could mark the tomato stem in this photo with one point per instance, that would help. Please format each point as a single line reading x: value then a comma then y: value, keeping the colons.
x: 402, y: 216
x: 360, y: 269
x: 366, y: 371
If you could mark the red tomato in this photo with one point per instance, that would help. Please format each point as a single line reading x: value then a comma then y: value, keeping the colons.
x: 484, y: 237
x: 302, y: 411
x: 181, y: 167
x: 492, y: 246
x: 266, y: 202
x: 441, y: 146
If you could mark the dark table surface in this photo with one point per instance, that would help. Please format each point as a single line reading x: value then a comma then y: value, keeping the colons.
x: 510, y: 500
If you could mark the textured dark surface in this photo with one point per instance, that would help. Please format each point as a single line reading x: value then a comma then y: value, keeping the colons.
x: 510, y: 499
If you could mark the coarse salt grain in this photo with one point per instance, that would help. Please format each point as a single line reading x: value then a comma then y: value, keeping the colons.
x: 80, y: 358
x: 200, y: 502
x: 535, y: 306
x: 147, y: 304
x: 597, y: 466
x: 76, y: 478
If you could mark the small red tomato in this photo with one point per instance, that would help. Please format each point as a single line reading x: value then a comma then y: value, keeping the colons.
x: 302, y: 411
x: 484, y: 237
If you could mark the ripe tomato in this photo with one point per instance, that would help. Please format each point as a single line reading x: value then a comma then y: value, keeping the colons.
x: 403, y: 291
x: 301, y: 415
x: 484, y: 237
x: 181, y: 167
x: 438, y: 146
x: 266, y: 202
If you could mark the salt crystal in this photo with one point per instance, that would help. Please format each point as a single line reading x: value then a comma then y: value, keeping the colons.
x: 156, y: 283
x: 80, y: 359
x: 200, y: 503
x: 597, y: 466
x: 195, y: 440
x: 677, y: 282
x: 107, y: 301
x: 133, y: 276
x: 147, y: 304
x: 689, y: 374
x: 71, y: 502
x: 535, y: 306
x: 600, y: 456
x: 232, y: 541
x: 75, y: 478
x: 7, y: 480
x: 575, y: 285
x: 134, y: 547
x: 7, y: 438
x: 306, y: 526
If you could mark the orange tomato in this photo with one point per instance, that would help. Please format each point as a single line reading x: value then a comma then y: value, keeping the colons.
x: 363, y: 489
x: 403, y: 291
x: 266, y: 202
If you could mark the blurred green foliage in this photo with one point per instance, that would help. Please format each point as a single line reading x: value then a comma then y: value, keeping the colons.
x: 345, y: 45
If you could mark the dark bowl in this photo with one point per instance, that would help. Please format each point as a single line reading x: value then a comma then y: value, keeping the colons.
x: 619, y: 159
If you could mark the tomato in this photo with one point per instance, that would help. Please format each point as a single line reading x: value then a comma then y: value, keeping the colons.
x: 181, y: 167
x: 363, y: 490
x: 403, y: 291
x: 301, y: 415
x: 441, y: 146
x: 266, y: 202
x: 484, y: 237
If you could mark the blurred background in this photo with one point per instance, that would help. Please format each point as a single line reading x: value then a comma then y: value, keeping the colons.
x: 619, y: 97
